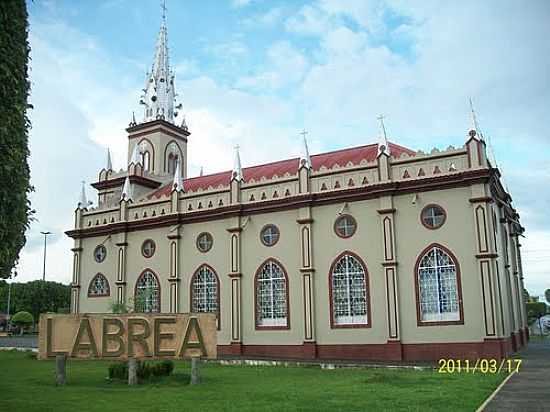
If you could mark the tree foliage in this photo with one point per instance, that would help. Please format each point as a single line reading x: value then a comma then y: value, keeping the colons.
x: 15, y: 210
x: 36, y: 297
x: 22, y: 319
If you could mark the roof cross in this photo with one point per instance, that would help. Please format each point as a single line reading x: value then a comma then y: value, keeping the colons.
x: 303, y: 133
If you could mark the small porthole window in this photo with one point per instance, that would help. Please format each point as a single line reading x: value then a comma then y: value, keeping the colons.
x: 269, y: 235
x: 148, y: 248
x: 204, y: 242
x: 100, y: 253
x: 433, y: 216
x: 345, y: 226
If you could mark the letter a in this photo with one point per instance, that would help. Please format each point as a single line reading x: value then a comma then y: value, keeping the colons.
x: 199, y: 344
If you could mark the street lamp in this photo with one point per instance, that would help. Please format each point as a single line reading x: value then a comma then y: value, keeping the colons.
x: 44, y: 271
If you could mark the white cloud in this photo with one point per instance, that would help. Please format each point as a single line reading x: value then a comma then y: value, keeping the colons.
x: 240, y: 3
x: 264, y: 20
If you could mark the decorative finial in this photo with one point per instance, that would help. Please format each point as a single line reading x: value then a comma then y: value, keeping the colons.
x: 383, y: 145
x: 201, y: 172
x: 126, y: 190
x: 474, y: 132
x: 305, y: 159
x: 163, y: 7
x: 83, y: 202
x: 109, y: 162
x: 133, y: 121
x: 177, y: 185
x: 136, y: 158
x: 237, y: 169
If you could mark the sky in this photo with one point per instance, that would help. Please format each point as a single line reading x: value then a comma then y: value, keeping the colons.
x: 256, y: 72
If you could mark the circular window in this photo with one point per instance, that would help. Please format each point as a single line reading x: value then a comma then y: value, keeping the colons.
x: 148, y: 248
x: 433, y: 216
x: 204, y: 242
x: 100, y: 252
x: 345, y: 226
x: 269, y: 235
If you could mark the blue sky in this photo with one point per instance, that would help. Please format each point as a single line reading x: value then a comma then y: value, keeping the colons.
x: 256, y: 72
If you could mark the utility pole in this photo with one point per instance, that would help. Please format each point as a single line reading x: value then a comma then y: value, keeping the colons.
x: 44, y: 271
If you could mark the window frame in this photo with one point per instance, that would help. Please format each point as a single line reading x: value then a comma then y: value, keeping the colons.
x: 419, y: 259
x: 107, y: 294
x: 342, y: 217
x: 269, y: 225
x: 191, y: 293
x: 211, y: 242
x: 159, y: 290
x: 433, y: 205
x: 154, y: 248
x: 287, y: 297
x: 102, y: 246
x: 333, y: 324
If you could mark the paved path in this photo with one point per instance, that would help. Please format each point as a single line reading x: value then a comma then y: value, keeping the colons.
x: 25, y: 341
x: 528, y: 390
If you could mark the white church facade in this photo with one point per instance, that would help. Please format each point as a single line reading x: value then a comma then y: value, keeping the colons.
x: 374, y: 252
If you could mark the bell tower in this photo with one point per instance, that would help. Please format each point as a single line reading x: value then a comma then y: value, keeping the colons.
x: 160, y: 142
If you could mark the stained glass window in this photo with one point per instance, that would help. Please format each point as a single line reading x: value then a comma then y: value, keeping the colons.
x: 99, y: 286
x: 345, y: 226
x: 271, y: 296
x: 438, y: 290
x: 147, y: 297
x: 204, y: 291
x: 349, y: 292
x: 204, y: 242
x: 433, y: 216
x: 100, y: 252
x: 270, y: 235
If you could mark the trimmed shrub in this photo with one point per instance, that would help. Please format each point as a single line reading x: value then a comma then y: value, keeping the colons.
x: 145, y: 370
x: 22, y: 320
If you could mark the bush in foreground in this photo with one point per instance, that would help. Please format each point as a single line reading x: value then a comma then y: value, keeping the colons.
x: 145, y: 370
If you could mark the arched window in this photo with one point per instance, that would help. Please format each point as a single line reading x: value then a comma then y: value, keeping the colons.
x: 438, y: 289
x: 146, y: 160
x: 271, y: 296
x: 204, y: 290
x: 172, y: 161
x: 147, y: 293
x: 99, y: 286
x: 349, y: 293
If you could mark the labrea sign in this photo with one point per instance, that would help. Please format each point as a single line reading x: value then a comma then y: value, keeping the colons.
x: 111, y: 336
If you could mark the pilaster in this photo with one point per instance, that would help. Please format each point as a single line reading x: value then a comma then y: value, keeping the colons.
x: 235, y: 275
x: 389, y: 270
x: 174, y: 278
x: 307, y: 270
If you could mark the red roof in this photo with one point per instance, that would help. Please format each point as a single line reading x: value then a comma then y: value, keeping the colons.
x: 341, y: 157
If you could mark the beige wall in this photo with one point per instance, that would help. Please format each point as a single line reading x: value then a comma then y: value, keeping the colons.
x: 457, y: 234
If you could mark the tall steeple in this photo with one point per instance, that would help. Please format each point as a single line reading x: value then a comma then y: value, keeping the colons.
x: 383, y: 145
x: 159, y: 94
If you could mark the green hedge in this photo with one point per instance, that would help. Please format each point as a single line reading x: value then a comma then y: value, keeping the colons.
x: 145, y: 370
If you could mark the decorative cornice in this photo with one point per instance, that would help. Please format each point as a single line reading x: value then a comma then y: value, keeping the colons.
x: 173, y: 237
x: 386, y: 211
x: 174, y: 279
x: 119, y: 181
x: 304, y: 221
x: 487, y: 256
x: 120, y: 282
x: 390, y: 263
x: 158, y: 124
x: 309, y: 199
x: 484, y: 199
x: 122, y: 244
x: 234, y: 229
x: 235, y: 275
x: 307, y: 270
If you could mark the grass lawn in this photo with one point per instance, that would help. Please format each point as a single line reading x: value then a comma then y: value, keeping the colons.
x: 28, y: 385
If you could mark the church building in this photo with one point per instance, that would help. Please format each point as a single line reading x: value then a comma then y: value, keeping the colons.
x: 375, y: 252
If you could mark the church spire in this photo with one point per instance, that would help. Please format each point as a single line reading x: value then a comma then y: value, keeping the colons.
x: 177, y: 185
x: 305, y: 159
x: 159, y: 94
x: 83, y: 201
x: 237, y: 169
x: 383, y: 145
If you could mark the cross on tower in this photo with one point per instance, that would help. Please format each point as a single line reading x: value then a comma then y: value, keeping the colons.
x: 303, y: 133
x: 163, y: 8
x: 381, y: 118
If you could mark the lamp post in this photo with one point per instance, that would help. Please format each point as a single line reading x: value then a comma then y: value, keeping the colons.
x: 44, y: 271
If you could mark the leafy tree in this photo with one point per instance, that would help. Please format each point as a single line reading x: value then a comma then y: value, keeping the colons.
x: 22, y: 320
x: 15, y: 210
x: 36, y: 297
x: 536, y: 310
